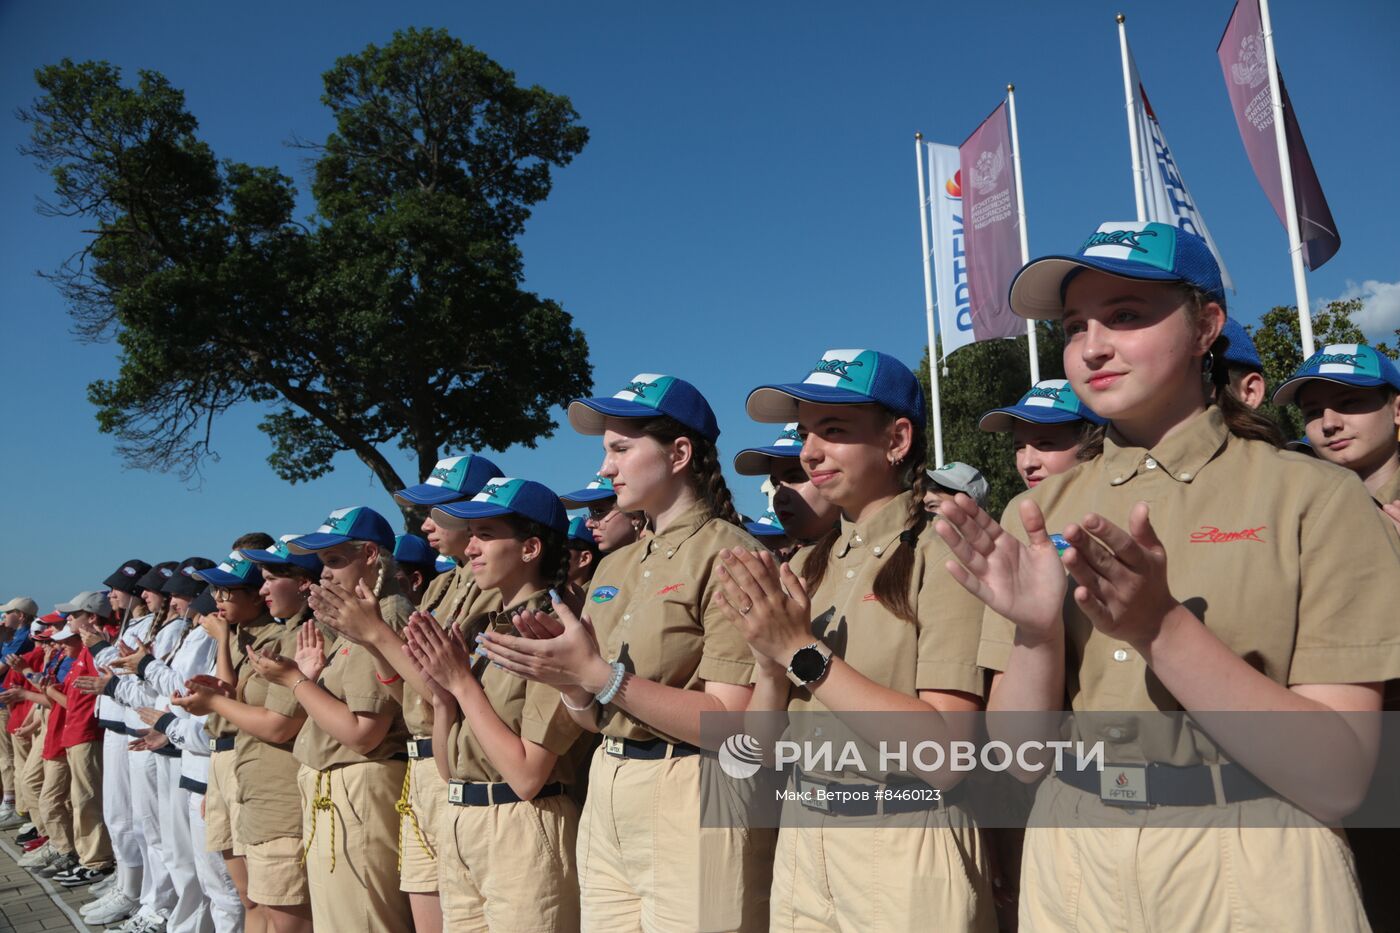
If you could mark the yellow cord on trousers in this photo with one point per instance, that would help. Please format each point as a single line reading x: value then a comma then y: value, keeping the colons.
x: 320, y: 802
x: 404, y: 808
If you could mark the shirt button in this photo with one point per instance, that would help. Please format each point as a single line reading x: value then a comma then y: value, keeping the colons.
x: 670, y: 553
x: 858, y: 540
x: 626, y: 616
x: 850, y: 573
x: 1186, y: 477
x: 1150, y: 463
x: 876, y: 550
x: 1120, y: 655
x: 646, y: 573
x: 1119, y: 480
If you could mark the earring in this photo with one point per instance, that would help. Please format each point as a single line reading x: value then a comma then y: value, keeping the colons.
x: 527, y: 558
x: 1208, y: 364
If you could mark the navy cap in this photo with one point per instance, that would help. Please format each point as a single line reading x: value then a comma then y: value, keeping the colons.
x: 758, y: 461
x: 765, y: 526
x: 507, y: 496
x: 203, y: 604
x: 1130, y: 249
x: 236, y: 570
x: 125, y: 577
x: 183, y: 583
x: 1234, y: 347
x: 1349, y: 364
x: 601, y: 488
x: 357, y: 523
x: 1050, y: 401
x: 412, y: 549
x: 648, y: 395
x: 580, y: 536
x: 279, y: 555
x: 452, y: 479
x: 1302, y: 446
x: 158, y: 576
x: 844, y: 377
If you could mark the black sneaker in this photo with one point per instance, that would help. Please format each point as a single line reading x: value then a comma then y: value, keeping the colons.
x: 28, y: 835
x: 81, y: 875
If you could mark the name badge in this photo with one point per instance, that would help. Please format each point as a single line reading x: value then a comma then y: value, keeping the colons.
x: 813, y: 795
x: 413, y: 749
x: 1124, y: 786
x: 614, y: 746
x: 454, y: 791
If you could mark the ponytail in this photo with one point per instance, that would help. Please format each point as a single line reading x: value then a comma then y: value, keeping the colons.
x: 1241, y: 420
x: 705, y: 470
x: 554, y: 550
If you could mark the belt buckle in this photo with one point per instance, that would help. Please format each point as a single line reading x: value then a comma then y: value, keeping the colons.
x: 812, y: 794
x: 1124, y: 786
x: 454, y: 791
x: 615, y: 747
x: 413, y: 749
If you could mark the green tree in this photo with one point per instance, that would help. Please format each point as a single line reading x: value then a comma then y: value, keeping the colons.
x: 980, y: 377
x: 394, y: 314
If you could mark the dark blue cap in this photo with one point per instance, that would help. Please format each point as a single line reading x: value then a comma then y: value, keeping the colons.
x: 507, y: 496
x: 1234, y: 347
x: 412, y: 549
x: 1350, y: 364
x: 601, y: 488
x: 580, y: 535
x: 844, y: 377
x: 1050, y: 401
x: 758, y: 461
x: 452, y: 479
x: 765, y: 526
x: 647, y: 396
x: 357, y: 523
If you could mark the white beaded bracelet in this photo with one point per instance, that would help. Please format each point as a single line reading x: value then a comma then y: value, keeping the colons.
x: 614, y: 684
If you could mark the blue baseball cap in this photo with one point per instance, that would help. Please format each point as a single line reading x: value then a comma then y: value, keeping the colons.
x: 357, y: 523
x: 758, y: 461
x: 601, y: 488
x: 1050, y: 401
x: 1235, y: 347
x: 843, y: 377
x: 647, y: 396
x: 411, y: 549
x: 1131, y: 249
x: 509, y: 496
x: 765, y: 526
x: 443, y: 564
x: 236, y: 570
x: 452, y: 479
x: 1348, y: 364
x: 1302, y: 446
x: 580, y: 535
x: 280, y: 556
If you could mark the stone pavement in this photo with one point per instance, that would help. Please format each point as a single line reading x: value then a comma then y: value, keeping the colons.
x: 32, y: 905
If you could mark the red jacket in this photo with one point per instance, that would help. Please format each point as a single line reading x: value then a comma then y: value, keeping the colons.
x: 19, y: 712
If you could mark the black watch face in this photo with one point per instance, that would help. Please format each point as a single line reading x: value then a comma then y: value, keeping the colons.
x: 808, y: 664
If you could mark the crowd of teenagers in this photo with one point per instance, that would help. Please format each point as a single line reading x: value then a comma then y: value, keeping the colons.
x: 497, y: 726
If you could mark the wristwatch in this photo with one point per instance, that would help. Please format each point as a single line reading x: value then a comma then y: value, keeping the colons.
x: 809, y: 664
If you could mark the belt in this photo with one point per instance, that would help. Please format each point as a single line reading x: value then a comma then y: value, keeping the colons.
x: 1161, y: 785
x: 650, y: 750
x: 193, y: 786
x: 113, y: 726
x: 468, y: 794
x: 224, y: 743
x: 167, y: 751
x: 868, y: 799
x: 420, y: 748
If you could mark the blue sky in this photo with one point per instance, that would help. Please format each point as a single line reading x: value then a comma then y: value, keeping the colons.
x: 747, y: 201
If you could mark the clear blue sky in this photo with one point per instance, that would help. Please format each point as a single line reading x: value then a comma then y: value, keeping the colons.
x: 747, y: 201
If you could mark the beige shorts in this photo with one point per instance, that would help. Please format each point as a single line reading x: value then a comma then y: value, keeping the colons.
x: 427, y: 795
x: 221, y: 805
x: 276, y: 876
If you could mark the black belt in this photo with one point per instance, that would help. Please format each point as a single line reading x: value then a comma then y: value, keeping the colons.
x: 1156, y: 784
x: 468, y: 794
x: 840, y: 798
x: 650, y: 750
x: 193, y: 786
x: 224, y: 743
x: 112, y: 725
x: 167, y: 751
x: 420, y: 748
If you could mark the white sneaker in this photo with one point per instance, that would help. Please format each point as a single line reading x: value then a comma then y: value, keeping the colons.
x: 103, y: 886
x: 115, y: 907
x: 9, y: 817
x: 38, y: 857
x: 95, y: 905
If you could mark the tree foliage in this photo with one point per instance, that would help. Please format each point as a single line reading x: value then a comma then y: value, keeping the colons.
x: 394, y: 314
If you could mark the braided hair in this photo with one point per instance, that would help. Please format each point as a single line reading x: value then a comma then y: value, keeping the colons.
x: 554, y: 550
x: 705, y: 470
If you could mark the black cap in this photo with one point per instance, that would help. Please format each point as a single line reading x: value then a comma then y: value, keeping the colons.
x: 183, y: 582
x: 158, y: 576
x: 203, y: 605
x: 127, y: 577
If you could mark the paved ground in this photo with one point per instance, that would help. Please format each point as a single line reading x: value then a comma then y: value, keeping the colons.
x: 32, y: 905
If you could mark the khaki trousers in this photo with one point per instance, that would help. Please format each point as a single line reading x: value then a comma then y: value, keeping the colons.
x: 56, y: 805
x: 31, y: 779
x: 7, y: 756
x: 85, y: 796
x: 20, y: 753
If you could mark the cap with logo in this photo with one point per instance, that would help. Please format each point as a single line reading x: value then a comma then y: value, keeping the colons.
x: 959, y: 477
x: 579, y: 536
x: 765, y: 526
x: 158, y: 576
x: 1050, y: 401
x: 412, y: 549
x: 444, y: 564
x: 647, y: 396
x: 124, y: 577
x: 601, y: 488
x: 843, y: 377
x: 509, y: 496
x: 1301, y: 446
x: 183, y: 582
x: 89, y: 601
x: 357, y: 523
x: 1144, y: 251
x: 1349, y: 364
x: 452, y: 479
x: 22, y: 604
x: 279, y: 555
x: 235, y: 571
x: 52, y: 618
x: 758, y: 461
x: 1234, y: 348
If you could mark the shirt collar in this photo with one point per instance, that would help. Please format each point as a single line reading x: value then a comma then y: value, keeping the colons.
x: 877, y: 532
x: 668, y: 542
x: 1180, y: 455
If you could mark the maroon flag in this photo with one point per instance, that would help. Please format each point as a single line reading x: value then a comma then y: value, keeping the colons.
x: 990, y: 217
x: 1246, y: 68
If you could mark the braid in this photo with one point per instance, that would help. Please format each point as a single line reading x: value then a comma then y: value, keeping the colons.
x: 892, y: 582
x: 705, y: 468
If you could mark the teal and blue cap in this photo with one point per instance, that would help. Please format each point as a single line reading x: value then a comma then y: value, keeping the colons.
x: 1234, y: 347
x: 579, y: 536
x: 1349, y: 364
x: 236, y: 570
x: 765, y: 526
x: 415, y: 550
x: 601, y: 488
x: 1301, y: 446
x: 444, y: 564
x: 1145, y: 251
x: 356, y: 523
x: 509, y: 496
x: 1050, y: 401
x: 279, y: 555
x: 648, y: 395
x: 843, y: 377
x: 452, y: 479
x: 758, y: 461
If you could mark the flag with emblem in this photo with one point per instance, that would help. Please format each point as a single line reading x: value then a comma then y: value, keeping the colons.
x: 991, y: 233
x: 949, y: 260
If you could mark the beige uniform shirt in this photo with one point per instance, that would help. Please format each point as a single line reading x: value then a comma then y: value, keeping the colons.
x: 264, y: 630
x: 1389, y: 491
x: 532, y: 711
x: 1283, y: 557
x: 652, y: 605
x: 460, y: 598
x: 351, y: 676
x: 267, y: 773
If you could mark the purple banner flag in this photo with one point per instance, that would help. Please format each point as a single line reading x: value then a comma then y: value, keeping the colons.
x: 991, y: 237
x: 1245, y: 65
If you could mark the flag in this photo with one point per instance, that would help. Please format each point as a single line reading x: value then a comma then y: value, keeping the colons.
x: 1168, y: 199
x: 991, y: 238
x: 949, y: 256
x: 1245, y: 65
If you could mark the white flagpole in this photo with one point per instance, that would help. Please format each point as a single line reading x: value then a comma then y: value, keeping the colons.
x: 936, y: 407
x: 1290, y: 204
x: 1130, y: 104
x: 1031, y: 347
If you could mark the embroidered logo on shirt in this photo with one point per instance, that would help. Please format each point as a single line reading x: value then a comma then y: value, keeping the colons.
x: 344, y: 651
x: 669, y: 589
x: 1060, y: 543
x: 604, y: 594
x: 1209, y: 534
x: 869, y: 598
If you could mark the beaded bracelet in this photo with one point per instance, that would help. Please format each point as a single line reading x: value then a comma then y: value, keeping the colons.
x: 614, y: 684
